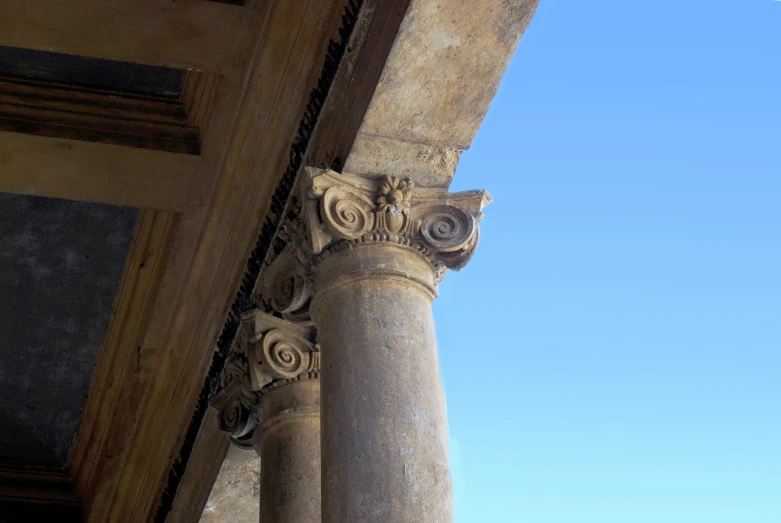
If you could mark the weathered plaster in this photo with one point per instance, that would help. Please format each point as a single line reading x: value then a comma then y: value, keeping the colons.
x: 376, y: 156
x: 60, y: 266
x: 440, y: 78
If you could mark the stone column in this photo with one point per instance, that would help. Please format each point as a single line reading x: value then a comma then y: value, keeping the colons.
x: 384, y: 431
x: 288, y: 443
x: 271, y: 402
x: 379, y: 248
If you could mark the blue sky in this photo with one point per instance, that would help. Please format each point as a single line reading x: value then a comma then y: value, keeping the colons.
x: 612, y: 354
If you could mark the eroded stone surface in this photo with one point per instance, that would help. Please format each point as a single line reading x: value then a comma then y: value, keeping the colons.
x: 375, y: 156
x: 440, y: 78
x: 289, y: 445
x: 384, y: 428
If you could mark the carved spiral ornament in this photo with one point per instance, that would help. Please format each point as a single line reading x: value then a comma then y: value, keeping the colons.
x: 284, y: 292
x: 234, y: 417
x: 283, y: 355
x: 447, y: 228
x: 348, y: 215
x: 290, y: 291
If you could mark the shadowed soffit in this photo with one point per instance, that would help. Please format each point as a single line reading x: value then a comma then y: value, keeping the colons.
x: 60, y: 267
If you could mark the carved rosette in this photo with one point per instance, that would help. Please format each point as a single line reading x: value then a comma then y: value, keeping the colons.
x: 342, y: 208
x: 268, y: 352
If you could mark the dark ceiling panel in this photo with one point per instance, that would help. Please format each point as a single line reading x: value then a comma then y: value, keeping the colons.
x: 123, y: 77
x: 60, y: 266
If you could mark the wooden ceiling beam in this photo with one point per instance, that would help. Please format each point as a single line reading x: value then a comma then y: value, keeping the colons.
x: 212, y: 238
x: 76, y: 170
x: 188, y: 34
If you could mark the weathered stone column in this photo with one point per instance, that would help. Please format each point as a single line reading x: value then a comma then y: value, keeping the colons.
x: 271, y: 401
x: 380, y: 247
x: 288, y: 443
x: 384, y: 430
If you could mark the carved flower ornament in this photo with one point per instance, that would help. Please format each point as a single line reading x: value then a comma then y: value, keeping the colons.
x: 340, y: 206
x: 394, y: 194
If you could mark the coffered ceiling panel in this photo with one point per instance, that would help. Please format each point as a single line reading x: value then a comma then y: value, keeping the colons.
x: 60, y: 267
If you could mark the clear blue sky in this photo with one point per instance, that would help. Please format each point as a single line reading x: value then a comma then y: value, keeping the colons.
x: 612, y: 354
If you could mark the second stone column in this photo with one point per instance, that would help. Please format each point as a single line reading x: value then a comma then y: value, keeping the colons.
x: 269, y: 400
x: 288, y: 443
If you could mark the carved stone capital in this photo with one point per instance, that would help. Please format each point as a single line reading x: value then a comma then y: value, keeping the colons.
x: 336, y: 211
x: 268, y: 353
x: 341, y: 208
x: 279, y: 350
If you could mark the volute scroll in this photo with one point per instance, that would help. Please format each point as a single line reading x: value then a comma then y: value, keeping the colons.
x: 341, y: 207
x: 268, y: 353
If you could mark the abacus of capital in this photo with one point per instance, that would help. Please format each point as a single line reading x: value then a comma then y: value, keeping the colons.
x: 353, y: 287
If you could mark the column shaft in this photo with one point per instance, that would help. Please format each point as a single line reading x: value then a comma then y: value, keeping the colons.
x: 384, y: 439
x: 289, y: 449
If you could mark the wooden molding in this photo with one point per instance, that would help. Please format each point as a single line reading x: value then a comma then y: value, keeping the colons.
x: 37, y: 494
x: 55, y: 161
x: 87, y: 171
x: 199, y: 94
x: 96, y: 115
